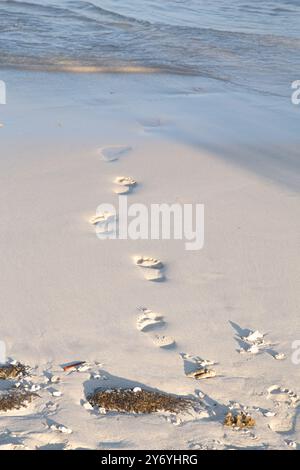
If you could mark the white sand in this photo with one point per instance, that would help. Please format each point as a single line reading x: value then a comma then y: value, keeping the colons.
x: 66, y: 295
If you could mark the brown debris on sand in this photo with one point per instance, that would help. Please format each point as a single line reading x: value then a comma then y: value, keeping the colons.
x: 15, y: 399
x: 240, y: 420
x: 137, y: 401
x: 12, y: 371
x: 73, y: 365
x: 202, y: 373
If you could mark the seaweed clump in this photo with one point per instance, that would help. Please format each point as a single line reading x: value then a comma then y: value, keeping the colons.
x: 12, y: 371
x: 240, y: 420
x: 137, y: 401
x: 15, y: 399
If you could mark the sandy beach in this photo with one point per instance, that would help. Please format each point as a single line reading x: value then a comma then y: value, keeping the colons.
x: 67, y: 295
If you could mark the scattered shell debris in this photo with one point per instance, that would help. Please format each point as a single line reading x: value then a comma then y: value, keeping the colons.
x: 255, y: 337
x: 255, y: 341
x: 61, y: 428
x: 279, y: 356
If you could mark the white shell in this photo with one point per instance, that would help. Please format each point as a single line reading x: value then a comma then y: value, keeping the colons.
x: 254, y: 337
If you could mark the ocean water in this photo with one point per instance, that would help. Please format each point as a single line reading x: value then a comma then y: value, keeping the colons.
x: 253, y: 44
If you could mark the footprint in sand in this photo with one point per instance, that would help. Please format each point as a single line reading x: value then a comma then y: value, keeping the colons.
x: 125, y: 184
x: 148, y: 320
x: 282, y: 422
x: 283, y: 395
x: 152, y: 124
x: 105, y: 224
x: 102, y: 217
x: 164, y: 341
x: 153, y: 268
x: 285, y: 401
x: 113, y: 152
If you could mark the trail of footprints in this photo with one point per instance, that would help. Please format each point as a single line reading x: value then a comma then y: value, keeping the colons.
x: 148, y: 321
x: 124, y: 184
x: 152, y: 269
x: 153, y: 325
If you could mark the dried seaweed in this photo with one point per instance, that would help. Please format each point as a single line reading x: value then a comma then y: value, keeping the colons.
x: 15, y: 399
x: 12, y: 371
x: 240, y: 420
x: 137, y: 401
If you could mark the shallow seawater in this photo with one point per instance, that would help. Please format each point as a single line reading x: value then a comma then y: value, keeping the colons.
x: 252, y: 44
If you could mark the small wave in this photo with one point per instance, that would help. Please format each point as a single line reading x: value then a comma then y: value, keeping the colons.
x: 92, y: 8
